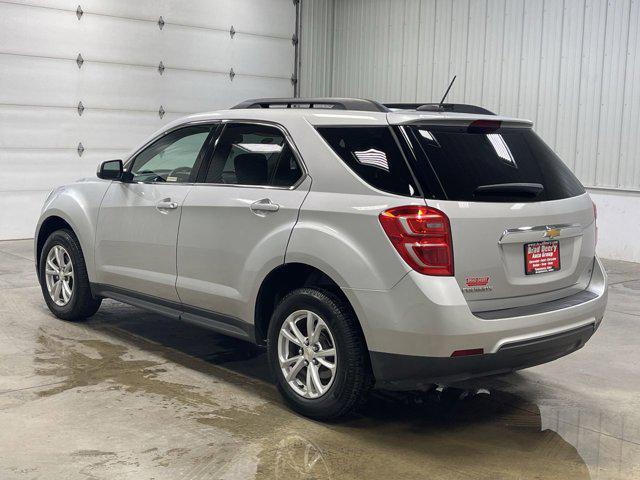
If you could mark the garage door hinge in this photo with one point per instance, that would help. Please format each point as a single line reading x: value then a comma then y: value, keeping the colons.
x: 79, y: 60
x: 294, y: 79
x: 80, y: 108
x: 294, y: 39
x: 161, y: 23
x: 80, y: 149
x: 231, y: 74
x: 232, y: 31
x: 161, y: 68
x: 79, y: 12
x: 161, y: 112
x: 296, y: 2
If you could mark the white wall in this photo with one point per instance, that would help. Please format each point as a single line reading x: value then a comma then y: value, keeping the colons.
x: 119, y: 83
x: 618, y: 224
x: 571, y: 66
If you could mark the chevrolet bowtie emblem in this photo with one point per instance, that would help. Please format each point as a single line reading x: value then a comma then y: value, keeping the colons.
x: 552, y: 232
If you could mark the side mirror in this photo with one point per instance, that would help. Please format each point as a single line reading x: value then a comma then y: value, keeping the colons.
x: 110, y: 170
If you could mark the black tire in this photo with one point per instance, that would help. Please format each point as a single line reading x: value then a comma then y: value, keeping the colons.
x: 82, y: 304
x: 353, y: 378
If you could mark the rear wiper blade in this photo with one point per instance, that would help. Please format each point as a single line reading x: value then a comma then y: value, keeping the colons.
x: 528, y: 190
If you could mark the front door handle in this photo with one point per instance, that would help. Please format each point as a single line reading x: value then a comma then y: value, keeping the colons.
x: 264, y: 205
x: 166, y: 204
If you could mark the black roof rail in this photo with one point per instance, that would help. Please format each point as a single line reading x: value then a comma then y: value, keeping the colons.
x: 332, y: 103
x: 446, y: 107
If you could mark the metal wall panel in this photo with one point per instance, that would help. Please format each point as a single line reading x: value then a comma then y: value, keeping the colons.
x: 124, y: 94
x: 317, y: 47
x: 571, y: 66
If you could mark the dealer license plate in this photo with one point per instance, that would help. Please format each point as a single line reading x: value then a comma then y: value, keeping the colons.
x: 541, y: 257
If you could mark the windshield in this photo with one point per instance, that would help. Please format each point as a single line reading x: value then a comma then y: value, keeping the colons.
x: 492, y: 165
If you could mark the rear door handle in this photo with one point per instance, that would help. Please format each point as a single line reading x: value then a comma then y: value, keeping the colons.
x: 166, y: 204
x: 264, y: 205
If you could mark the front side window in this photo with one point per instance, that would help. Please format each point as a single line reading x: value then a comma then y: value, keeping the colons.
x: 173, y: 157
x: 251, y: 154
x: 373, y: 154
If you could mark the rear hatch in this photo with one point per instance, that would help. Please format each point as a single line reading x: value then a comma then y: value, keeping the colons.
x: 522, y: 225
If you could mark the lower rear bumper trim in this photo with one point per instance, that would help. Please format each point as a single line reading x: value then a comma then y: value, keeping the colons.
x: 406, y: 372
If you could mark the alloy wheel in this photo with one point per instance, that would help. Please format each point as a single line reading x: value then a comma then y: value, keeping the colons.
x: 307, y: 354
x: 59, y: 275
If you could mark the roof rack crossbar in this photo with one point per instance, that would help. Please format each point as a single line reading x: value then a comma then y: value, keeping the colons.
x: 446, y: 107
x: 332, y: 103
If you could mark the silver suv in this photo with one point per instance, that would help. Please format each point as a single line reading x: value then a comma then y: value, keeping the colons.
x: 366, y: 245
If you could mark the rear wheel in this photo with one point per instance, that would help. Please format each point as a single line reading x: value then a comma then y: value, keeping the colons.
x: 63, y: 278
x: 317, y: 354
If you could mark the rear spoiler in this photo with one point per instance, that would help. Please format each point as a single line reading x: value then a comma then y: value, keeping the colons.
x: 424, y: 118
x: 445, y: 107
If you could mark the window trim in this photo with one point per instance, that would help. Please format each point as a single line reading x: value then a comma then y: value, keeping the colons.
x: 264, y: 123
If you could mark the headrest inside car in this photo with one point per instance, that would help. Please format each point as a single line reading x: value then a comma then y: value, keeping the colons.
x: 251, y: 169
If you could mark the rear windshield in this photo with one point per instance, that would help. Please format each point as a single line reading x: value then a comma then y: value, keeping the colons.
x: 373, y: 154
x: 506, y: 164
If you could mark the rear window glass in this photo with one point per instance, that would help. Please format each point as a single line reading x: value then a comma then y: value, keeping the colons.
x: 373, y: 154
x: 507, y: 164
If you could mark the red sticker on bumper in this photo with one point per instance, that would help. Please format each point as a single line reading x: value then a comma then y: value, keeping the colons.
x: 476, y: 281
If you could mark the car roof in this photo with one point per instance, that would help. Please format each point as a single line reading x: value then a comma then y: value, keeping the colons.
x: 331, y: 116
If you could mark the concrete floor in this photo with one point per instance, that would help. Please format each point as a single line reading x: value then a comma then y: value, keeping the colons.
x: 132, y: 395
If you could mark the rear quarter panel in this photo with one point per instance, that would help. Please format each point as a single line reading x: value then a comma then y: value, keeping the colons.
x: 341, y: 235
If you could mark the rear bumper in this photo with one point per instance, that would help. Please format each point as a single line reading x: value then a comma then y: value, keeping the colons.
x: 400, y: 372
x: 412, y: 330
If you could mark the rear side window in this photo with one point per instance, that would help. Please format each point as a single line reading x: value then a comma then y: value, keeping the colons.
x: 472, y: 165
x: 373, y: 154
x: 253, y: 154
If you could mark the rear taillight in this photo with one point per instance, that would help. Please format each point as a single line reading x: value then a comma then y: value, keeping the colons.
x: 595, y: 220
x: 422, y: 237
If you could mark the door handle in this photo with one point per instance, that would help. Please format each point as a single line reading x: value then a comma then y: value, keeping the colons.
x: 166, y: 204
x: 264, y: 205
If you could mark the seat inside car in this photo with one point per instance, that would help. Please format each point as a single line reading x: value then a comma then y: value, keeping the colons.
x: 251, y: 169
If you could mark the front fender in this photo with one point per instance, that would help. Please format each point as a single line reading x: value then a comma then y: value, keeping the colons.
x: 78, y: 204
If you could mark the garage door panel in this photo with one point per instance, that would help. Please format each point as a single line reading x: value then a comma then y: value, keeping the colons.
x: 245, y: 15
x: 120, y: 40
x: 19, y: 213
x: 175, y: 52
x: 255, y: 55
x: 49, y: 167
x: 116, y: 129
x: 119, y: 87
x: 246, y: 54
x: 267, y: 17
x: 35, y: 127
x: 125, y: 8
x: 35, y: 31
x: 55, y: 83
x: 186, y: 89
x: 42, y: 128
x: 128, y: 42
x: 251, y: 87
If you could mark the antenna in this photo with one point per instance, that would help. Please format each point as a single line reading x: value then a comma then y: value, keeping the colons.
x: 447, y: 92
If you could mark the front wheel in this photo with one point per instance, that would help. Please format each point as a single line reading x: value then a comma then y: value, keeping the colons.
x: 318, y: 355
x: 63, y: 278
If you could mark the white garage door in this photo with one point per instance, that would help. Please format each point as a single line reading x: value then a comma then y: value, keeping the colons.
x: 80, y: 84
